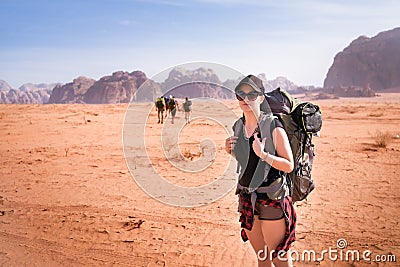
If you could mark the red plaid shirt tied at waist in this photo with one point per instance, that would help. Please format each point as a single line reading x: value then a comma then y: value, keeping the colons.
x: 247, y: 218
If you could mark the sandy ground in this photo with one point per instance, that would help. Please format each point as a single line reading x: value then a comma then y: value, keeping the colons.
x: 67, y: 197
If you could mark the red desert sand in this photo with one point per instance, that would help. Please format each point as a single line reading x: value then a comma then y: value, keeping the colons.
x: 67, y: 197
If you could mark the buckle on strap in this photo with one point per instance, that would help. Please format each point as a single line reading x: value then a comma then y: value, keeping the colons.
x: 240, y: 189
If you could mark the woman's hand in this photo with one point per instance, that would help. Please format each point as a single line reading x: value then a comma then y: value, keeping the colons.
x: 230, y: 143
x: 258, y: 146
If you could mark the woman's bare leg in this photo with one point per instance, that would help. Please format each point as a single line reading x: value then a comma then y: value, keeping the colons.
x: 273, y: 232
x: 256, y: 239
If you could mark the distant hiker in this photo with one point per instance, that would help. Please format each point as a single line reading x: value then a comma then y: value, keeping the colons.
x: 187, y: 107
x: 262, y: 149
x: 167, y: 100
x: 172, y: 106
x: 160, y: 106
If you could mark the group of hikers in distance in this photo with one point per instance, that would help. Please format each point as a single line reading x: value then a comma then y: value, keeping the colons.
x: 170, y: 105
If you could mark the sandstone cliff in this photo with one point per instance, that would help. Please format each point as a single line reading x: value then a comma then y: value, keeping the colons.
x: 72, y: 92
x: 120, y: 87
x: 116, y: 88
x: 374, y: 61
x: 200, y: 82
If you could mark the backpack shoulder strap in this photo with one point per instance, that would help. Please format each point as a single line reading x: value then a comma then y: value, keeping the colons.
x: 266, y: 126
x: 237, y: 129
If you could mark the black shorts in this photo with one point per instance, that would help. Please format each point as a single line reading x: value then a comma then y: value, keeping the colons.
x: 266, y: 212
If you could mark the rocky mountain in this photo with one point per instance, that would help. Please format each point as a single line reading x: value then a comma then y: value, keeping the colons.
x: 368, y: 61
x: 26, y: 94
x: 37, y: 87
x: 200, y: 82
x: 120, y: 87
x: 4, y: 86
x: 15, y: 96
x: 116, y: 88
x: 72, y: 92
x: 281, y: 82
x: 148, y: 91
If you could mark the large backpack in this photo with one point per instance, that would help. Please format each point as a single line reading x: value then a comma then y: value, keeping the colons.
x: 301, y: 120
x: 171, y: 104
x: 160, y: 102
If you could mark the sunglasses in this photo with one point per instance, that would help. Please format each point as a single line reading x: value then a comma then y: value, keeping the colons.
x: 240, y: 95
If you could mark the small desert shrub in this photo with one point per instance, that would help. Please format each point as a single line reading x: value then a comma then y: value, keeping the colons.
x: 189, y: 155
x: 382, y: 139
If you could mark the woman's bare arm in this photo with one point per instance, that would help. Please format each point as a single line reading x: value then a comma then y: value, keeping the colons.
x: 283, y: 160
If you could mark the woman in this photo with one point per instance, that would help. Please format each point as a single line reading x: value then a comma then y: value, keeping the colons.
x: 267, y: 215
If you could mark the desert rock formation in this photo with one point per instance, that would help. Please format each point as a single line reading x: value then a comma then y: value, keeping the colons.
x: 72, y: 92
x: 26, y: 94
x: 116, y: 88
x: 4, y: 86
x: 200, y: 82
x: 120, y: 87
x: 368, y: 61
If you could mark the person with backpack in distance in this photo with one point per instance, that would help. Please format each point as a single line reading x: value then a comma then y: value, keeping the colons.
x: 167, y: 100
x: 172, y: 106
x: 187, y: 107
x: 160, y: 106
x: 263, y: 152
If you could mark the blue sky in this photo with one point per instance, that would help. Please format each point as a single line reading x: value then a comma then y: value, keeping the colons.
x: 57, y: 41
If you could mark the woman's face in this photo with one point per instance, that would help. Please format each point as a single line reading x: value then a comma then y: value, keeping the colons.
x: 248, y: 105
